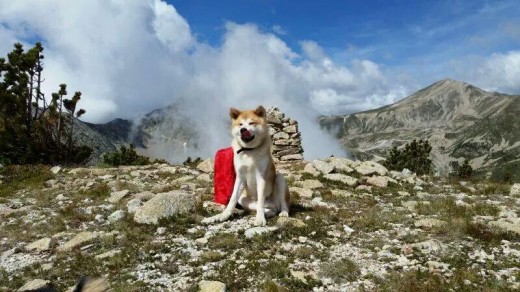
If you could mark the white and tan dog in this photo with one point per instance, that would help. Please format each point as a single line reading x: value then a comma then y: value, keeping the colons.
x: 266, y: 191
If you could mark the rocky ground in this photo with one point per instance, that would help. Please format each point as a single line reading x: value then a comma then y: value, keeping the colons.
x: 353, y: 226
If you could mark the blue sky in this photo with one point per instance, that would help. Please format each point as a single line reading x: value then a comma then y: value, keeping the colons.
x: 309, y: 58
x: 326, y: 57
x: 392, y: 33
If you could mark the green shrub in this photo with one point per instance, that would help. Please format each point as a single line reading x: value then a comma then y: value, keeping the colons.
x: 192, y: 162
x: 126, y: 156
x: 32, y: 128
x: 414, y: 156
x: 465, y: 171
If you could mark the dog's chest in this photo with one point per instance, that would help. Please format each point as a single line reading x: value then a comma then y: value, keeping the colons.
x: 250, y: 168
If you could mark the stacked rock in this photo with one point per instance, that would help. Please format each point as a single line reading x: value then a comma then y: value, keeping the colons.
x: 285, y: 135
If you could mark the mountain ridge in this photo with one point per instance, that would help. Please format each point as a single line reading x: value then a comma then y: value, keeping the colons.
x: 460, y: 120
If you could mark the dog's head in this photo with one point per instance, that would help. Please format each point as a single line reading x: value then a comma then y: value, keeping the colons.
x: 249, y: 127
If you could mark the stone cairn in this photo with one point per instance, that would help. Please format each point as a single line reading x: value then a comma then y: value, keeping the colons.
x: 285, y: 135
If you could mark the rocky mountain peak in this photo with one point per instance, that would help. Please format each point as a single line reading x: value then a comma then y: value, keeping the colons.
x: 459, y: 119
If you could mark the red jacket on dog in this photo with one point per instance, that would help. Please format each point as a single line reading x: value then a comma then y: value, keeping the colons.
x: 224, y: 177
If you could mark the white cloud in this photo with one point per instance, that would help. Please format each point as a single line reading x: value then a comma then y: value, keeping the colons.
x: 279, y: 30
x: 129, y: 57
x: 501, y: 72
x: 496, y: 72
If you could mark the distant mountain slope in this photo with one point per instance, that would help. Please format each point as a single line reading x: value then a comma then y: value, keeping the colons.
x: 162, y: 133
x: 460, y: 120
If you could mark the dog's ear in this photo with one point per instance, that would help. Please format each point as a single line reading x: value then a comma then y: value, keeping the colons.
x: 260, y: 111
x: 234, y: 113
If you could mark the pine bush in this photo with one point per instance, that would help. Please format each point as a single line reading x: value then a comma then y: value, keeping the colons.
x: 414, y: 156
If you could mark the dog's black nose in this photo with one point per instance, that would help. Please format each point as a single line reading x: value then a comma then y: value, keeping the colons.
x: 243, y: 130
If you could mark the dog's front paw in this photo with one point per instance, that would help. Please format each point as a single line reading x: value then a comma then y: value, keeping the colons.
x: 260, y: 221
x: 284, y: 214
x: 215, y: 219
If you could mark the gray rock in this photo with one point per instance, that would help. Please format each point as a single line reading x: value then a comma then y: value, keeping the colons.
x: 289, y: 151
x: 165, y: 205
x: 310, y: 184
x: 36, y: 284
x: 378, y: 181
x: 205, y: 177
x: 143, y: 196
x: 348, y: 180
x: 515, y: 190
x: 108, y: 254
x: 302, y: 192
x: 133, y: 205
x: 292, y: 157
x: 115, y: 197
x: 116, y: 216
x: 410, y: 205
x: 291, y: 129
x: 5, y: 210
x: 164, y: 170
x: 78, y: 240
x: 429, y: 223
x: 43, y: 244
x: 50, y: 183
x: 289, y: 221
x: 282, y: 142
x: 251, y: 232
x: 510, y: 224
x: 322, y: 166
x: 212, y: 286
x: 281, y: 135
x: 370, y: 168
x: 206, y: 166
x: 341, y: 193
x: 61, y: 197
x: 341, y: 164
x: 55, y: 169
x: 364, y: 188
x: 311, y: 170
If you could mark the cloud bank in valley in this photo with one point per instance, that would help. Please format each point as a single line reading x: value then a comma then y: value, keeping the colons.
x: 130, y: 57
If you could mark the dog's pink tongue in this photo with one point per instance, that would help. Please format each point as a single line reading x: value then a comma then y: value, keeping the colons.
x: 246, y: 134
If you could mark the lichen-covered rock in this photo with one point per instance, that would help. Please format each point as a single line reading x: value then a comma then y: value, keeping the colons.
x: 206, y: 166
x: 378, y: 181
x: 292, y: 157
x: 212, y: 286
x: 322, y: 166
x: 78, y: 240
x: 310, y: 184
x: 510, y: 224
x: 35, y: 285
x: 165, y: 205
x: 341, y: 164
x: 429, y: 223
x: 251, y: 232
x: 115, y: 197
x: 309, y: 168
x: 116, y: 216
x: 515, y: 190
x: 289, y: 221
x: 302, y: 192
x: 370, y: 168
x: 348, y: 180
x: 43, y: 244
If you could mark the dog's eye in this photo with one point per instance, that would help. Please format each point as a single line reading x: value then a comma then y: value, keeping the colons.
x: 241, y: 124
x: 252, y: 123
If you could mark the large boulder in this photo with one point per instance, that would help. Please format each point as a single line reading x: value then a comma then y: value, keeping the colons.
x: 165, y: 205
x: 206, y: 166
x: 370, y: 168
x: 515, y: 190
x: 348, y: 180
